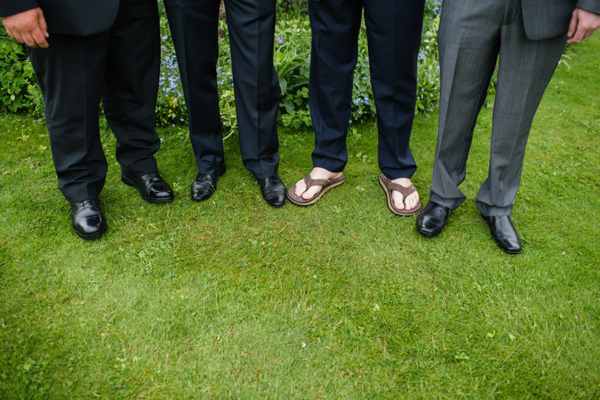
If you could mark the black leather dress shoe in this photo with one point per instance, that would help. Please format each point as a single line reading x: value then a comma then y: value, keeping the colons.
x: 203, y: 187
x: 504, y: 233
x: 88, y: 221
x: 433, y: 218
x: 151, y: 186
x: 273, y: 191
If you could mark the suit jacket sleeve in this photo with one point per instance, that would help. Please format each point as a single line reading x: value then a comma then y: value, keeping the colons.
x: 544, y: 19
x: 69, y: 17
x: 10, y: 7
x: 589, y: 5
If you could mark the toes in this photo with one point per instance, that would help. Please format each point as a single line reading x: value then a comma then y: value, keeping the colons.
x: 405, y: 204
x: 398, y: 200
x: 303, y: 193
x: 300, y: 187
x: 400, y: 203
x: 412, y: 201
x: 310, y: 193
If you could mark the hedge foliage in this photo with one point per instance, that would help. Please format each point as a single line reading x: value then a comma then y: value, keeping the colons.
x: 18, y: 88
x: 19, y: 91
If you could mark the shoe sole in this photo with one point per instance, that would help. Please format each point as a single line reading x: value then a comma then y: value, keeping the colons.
x: 96, y: 235
x: 129, y: 182
x: 504, y: 249
x: 275, y: 205
x: 291, y: 194
x: 204, y: 199
x: 511, y: 252
x: 429, y: 235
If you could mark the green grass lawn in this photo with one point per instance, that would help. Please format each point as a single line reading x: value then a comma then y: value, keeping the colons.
x: 231, y: 298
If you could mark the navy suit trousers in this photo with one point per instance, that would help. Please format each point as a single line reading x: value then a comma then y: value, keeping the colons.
x: 394, y: 35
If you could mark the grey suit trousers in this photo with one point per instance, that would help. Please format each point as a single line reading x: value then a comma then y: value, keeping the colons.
x: 472, y: 35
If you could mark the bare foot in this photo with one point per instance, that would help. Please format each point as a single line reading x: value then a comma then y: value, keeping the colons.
x: 316, y: 173
x: 410, y: 202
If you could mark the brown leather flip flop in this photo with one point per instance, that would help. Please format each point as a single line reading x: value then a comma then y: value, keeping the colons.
x: 389, y: 186
x: 325, y: 184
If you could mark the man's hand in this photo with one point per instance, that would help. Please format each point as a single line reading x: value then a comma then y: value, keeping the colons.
x: 583, y: 24
x: 28, y: 27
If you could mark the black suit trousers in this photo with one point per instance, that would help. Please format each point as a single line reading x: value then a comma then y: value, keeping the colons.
x: 194, y: 26
x: 119, y: 67
x: 393, y: 35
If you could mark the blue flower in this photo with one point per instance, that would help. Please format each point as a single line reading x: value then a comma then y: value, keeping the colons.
x: 280, y: 40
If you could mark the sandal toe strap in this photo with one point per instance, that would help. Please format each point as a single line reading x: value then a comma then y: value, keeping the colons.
x: 310, y: 182
x: 405, y: 191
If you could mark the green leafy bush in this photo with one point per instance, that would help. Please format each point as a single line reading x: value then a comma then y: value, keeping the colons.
x: 291, y: 6
x: 292, y: 60
x: 19, y: 90
x: 428, y: 73
x: 433, y: 8
x: 17, y: 79
x: 171, y: 107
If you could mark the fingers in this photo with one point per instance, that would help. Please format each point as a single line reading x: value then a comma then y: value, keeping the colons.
x: 15, y: 34
x: 28, y: 39
x: 583, y: 24
x: 10, y: 32
x: 578, y: 36
x: 28, y: 27
x: 25, y: 38
x: 574, y: 33
x: 573, y: 24
x: 38, y: 37
x: 40, y: 33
